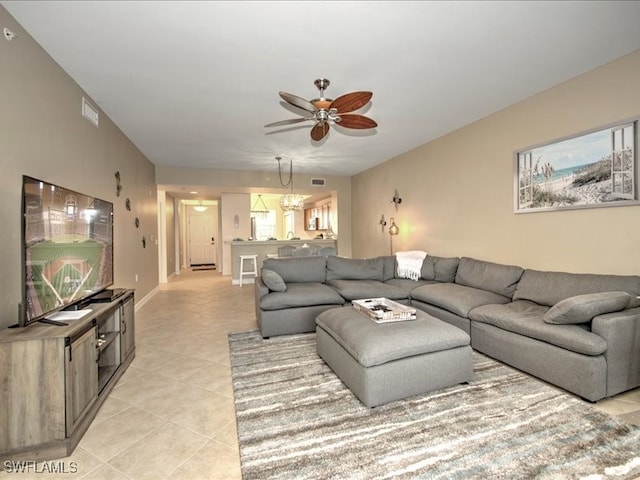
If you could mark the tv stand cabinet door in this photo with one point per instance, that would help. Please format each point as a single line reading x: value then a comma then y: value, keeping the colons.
x: 81, y: 378
x: 127, y: 329
x: 32, y: 394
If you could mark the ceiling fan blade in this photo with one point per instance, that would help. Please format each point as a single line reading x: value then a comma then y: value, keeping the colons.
x: 356, y: 121
x: 287, y: 122
x: 351, y: 101
x: 298, y: 102
x: 319, y: 130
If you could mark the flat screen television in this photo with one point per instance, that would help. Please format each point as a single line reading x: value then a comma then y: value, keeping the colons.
x: 67, y: 248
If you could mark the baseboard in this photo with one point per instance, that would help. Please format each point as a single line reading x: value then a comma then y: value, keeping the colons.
x: 146, y: 298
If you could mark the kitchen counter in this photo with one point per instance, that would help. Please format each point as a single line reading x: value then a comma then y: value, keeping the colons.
x: 264, y: 249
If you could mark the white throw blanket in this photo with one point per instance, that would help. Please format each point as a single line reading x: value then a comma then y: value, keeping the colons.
x: 410, y: 264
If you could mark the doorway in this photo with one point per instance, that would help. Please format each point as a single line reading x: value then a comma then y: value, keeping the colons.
x: 202, y: 228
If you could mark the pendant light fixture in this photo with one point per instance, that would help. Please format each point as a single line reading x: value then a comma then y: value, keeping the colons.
x: 289, y: 202
x: 259, y: 207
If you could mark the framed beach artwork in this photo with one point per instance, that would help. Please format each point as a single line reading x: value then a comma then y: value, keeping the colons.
x: 598, y: 168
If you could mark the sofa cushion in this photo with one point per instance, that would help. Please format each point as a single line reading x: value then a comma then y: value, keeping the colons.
x: 273, y: 281
x: 440, y: 269
x: 302, y: 294
x: 494, y: 277
x: 582, y: 308
x: 298, y: 269
x: 458, y: 299
x: 526, y: 318
x: 408, y: 285
x: 548, y: 288
x: 358, y: 289
x: 388, y: 267
x: 340, y: 268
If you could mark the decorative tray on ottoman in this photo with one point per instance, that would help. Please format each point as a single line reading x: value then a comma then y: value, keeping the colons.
x: 382, y: 310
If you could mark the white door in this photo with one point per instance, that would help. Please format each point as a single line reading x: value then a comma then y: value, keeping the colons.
x: 202, y: 242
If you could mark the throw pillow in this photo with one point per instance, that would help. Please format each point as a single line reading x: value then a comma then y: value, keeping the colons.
x: 582, y: 308
x: 273, y: 280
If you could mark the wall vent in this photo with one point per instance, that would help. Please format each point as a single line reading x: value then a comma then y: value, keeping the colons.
x: 89, y: 112
x: 318, y: 182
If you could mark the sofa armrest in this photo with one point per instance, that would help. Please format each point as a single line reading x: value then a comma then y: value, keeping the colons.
x: 621, y: 330
x: 259, y: 290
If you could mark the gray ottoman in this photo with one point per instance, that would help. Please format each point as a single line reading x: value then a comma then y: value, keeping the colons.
x: 384, y: 362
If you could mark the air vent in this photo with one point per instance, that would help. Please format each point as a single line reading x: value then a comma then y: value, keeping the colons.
x: 318, y: 182
x: 89, y: 112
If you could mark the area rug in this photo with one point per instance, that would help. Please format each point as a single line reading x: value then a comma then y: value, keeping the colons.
x: 297, y: 420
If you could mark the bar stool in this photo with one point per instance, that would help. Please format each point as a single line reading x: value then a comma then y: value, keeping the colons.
x: 254, y: 271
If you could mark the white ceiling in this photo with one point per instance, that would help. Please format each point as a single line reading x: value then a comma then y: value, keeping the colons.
x: 192, y: 84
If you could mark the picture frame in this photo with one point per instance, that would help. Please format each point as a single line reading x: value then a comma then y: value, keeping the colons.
x: 596, y: 168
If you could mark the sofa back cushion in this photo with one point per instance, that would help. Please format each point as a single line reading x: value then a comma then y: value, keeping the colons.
x: 298, y: 269
x: 582, y: 308
x: 273, y: 281
x: 493, y: 277
x: 340, y: 268
x: 549, y: 288
x: 440, y: 269
x: 388, y: 267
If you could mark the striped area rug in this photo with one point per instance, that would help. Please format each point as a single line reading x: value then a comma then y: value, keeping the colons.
x: 296, y: 420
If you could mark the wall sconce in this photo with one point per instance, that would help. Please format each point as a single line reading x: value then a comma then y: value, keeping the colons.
x: 393, y: 231
x: 236, y: 221
x: 382, y: 223
x: 396, y: 200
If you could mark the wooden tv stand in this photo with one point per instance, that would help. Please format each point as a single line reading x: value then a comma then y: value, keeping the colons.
x: 53, y: 379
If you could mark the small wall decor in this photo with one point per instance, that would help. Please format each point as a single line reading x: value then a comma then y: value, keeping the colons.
x: 144, y: 242
x: 137, y: 222
x: 118, y: 185
x: 396, y: 200
x: 382, y: 223
x: 598, y: 168
x: 127, y: 204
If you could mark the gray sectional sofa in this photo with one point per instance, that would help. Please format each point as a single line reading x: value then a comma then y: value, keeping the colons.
x: 580, y: 332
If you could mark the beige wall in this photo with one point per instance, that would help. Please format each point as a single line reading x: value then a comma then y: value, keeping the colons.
x: 457, y: 191
x: 170, y: 236
x: 43, y: 135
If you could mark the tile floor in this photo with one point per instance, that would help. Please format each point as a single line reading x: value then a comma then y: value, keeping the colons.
x: 172, y: 415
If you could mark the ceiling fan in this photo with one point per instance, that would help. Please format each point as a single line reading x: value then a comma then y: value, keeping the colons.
x: 325, y: 110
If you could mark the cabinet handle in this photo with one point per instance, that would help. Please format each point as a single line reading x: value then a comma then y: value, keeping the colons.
x: 124, y: 326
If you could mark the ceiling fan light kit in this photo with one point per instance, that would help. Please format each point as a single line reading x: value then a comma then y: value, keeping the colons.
x: 325, y: 111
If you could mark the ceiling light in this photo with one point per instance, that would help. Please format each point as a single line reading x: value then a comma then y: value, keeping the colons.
x: 289, y: 202
x: 259, y: 207
x: 201, y: 207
